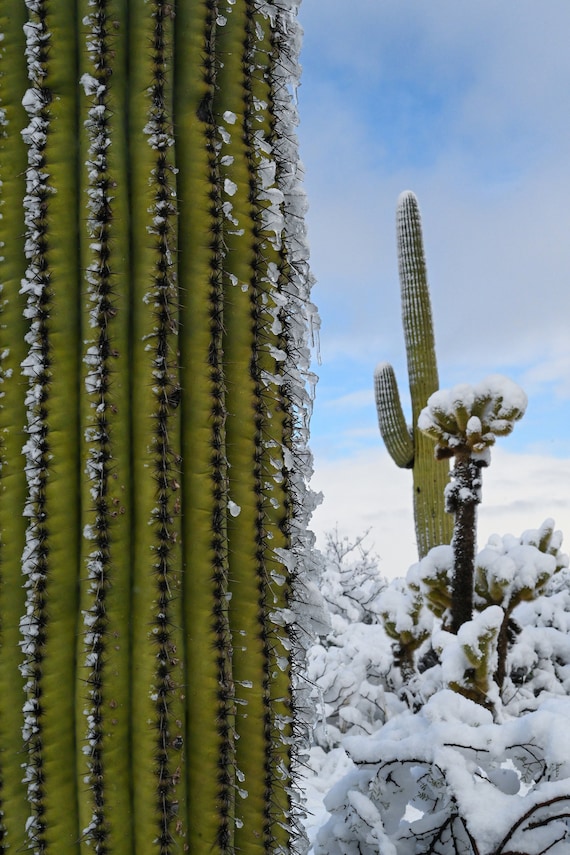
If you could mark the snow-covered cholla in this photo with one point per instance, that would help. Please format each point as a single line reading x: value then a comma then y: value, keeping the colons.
x: 472, y: 417
x: 436, y: 737
x: 464, y: 423
x: 457, y: 746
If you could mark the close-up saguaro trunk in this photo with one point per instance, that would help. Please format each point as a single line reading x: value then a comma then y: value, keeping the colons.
x: 154, y: 358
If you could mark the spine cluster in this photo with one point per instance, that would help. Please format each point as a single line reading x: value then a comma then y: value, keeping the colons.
x: 37, y: 368
x: 163, y: 347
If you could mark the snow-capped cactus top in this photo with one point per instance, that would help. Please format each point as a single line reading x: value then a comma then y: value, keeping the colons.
x: 469, y: 418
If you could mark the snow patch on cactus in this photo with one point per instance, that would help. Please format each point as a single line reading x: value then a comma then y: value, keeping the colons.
x: 473, y: 416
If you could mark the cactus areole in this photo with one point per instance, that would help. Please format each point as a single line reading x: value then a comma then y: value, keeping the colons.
x: 154, y: 404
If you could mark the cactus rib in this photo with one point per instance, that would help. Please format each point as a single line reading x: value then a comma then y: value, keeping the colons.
x: 211, y: 777
x: 52, y: 540
x: 13, y: 489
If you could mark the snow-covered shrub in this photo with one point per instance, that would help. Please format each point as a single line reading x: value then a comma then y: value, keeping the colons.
x: 448, y: 780
x: 471, y: 765
x: 350, y: 579
x: 349, y: 673
x: 539, y: 659
x: 350, y: 664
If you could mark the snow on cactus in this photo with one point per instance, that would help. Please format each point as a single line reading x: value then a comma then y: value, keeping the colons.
x: 470, y: 418
x: 511, y: 574
x: 469, y: 659
x: 470, y: 767
x: 464, y: 422
x: 406, y: 621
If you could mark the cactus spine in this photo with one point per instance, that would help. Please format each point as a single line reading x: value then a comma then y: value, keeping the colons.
x: 153, y: 356
x: 408, y: 446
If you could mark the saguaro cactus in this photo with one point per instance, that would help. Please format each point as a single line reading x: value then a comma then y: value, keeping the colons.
x: 153, y: 358
x: 407, y: 446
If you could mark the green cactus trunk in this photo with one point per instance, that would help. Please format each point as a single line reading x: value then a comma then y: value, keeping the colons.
x: 153, y: 363
x: 408, y: 447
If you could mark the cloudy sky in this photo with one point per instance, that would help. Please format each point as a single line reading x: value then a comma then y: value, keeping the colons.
x: 466, y: 104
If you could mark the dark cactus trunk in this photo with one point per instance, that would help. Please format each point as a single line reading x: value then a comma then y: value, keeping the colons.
x: 463, y: 496
x: 153, y: 365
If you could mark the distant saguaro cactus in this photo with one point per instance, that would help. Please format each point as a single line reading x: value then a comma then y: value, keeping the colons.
x: 154, y: 311
x: 408, y: 447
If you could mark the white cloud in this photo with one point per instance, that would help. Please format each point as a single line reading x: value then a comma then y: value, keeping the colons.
x: 552, y: 371
x: 367, y: 491
x: 357, y: 399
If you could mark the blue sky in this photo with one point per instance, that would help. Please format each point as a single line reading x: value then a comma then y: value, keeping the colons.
x: 466, y: 105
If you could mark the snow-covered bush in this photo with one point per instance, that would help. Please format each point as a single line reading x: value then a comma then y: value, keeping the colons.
x: 448, y: 780
x: 457, y: 745
x: 350, y: 579
x: 465, y: 763
x: 350, y: 664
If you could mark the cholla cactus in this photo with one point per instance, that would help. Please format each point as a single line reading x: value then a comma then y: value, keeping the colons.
x: 406, y: 621
x: 464, y: 423
x: 510, y: 571
x: 408, y: 447
x: 469, y: 660
x: 155, y: 298
x: 468, y: 419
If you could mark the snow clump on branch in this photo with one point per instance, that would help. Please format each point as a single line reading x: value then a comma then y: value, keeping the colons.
x: 470, y: 418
